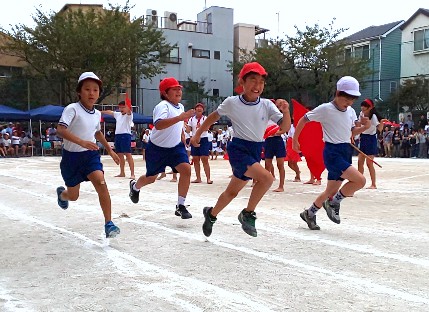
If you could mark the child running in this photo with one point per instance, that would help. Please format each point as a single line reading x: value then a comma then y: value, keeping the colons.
x: 249, y: 114
x: 79, y: 126
x: 338, y: 120
x: 166, y: 145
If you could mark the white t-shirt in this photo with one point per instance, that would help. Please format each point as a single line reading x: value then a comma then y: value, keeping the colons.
x: 124, y: 123
x: 172, y: 135
x: 81, y: 122
x: 336, y: 124
x: 249, y: 119
x: 374, y: 123
x: 194, y: 123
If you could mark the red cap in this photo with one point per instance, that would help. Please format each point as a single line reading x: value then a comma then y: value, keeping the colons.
x: 199, y: 104
x: 253, y: 67
x: 168, y: 83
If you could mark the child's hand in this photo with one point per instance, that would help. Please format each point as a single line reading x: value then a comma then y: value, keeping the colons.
x: 187, y: 114
x: 114, y: 156
x: 296, y: 146
x: 195, y: 141
x: 282, y: 105
x: 89, y: 145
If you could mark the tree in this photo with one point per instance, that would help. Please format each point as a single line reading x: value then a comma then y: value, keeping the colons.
x: 62, y: 46
x: 306, y: 66
x: 413, y: 93
x: 194, y: 92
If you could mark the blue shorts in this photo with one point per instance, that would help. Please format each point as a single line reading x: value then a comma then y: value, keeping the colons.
x: 242, y: 154
x: 368, y: 144
x: 337, y: 159
x: 76, y: 166
x: 157, y: 158
x: 123, y: 143
x: 275, y: 146
x: 203, y: 149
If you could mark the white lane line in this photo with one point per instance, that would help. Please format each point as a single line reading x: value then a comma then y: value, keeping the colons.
x: 172, y: 286
x: 272, y: 229
x: 348, y: 279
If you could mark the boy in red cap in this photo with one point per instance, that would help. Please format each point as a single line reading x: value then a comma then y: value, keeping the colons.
x: 201, y: 152
x: 124, y: 123
x: 166, y: 145
x: 249, y: 114
x: 80, y: 127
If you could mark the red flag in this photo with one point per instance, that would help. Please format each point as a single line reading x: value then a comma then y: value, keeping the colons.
x: 127, y: 100
x: 310, y: 140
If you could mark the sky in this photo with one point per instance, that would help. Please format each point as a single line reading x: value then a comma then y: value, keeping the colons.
x: 279, y: 16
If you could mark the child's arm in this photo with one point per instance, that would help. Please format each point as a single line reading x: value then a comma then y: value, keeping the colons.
x: 211, y: 119
x: 107, y: 112
x: 364, y: 124
x: 295, y: 144
x: 100, y: 137
x: 283, y: 106
x: 168, y: 122
x: 66, y: 134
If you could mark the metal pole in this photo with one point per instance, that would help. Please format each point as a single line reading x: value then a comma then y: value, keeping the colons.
x: 28, y: 108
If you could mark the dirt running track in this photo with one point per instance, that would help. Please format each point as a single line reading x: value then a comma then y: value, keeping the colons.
x: 377, y: 259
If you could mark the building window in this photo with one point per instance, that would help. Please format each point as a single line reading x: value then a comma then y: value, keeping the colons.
x: 215, y: 92
x: 361, y: 51
x: 216, y: 55
x: 201, y: 53
x: 421, y: 40
x: 393, y: 86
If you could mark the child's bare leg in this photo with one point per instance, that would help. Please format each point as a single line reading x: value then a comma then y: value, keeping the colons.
x: 264, y: 180
x: 281, y: 168
x: 184, y: 180
x: 97, y: 179
x: 232, y: 190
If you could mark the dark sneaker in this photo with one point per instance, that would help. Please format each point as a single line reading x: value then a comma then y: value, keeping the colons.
x: 134, y: 195
x: 111, y: 230
x: 208, y: 221
x: 62, y: 203
x: 332, y: 210
x: 247, y: 220
x: 311, y: 221
x: 182, y: 212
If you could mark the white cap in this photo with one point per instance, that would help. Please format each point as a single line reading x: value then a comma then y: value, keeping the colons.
x: 89, y: 75
x: 349, y: 85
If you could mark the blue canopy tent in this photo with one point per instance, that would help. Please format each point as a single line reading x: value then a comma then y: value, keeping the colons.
x: 50, y: 113
x: 12, y: 114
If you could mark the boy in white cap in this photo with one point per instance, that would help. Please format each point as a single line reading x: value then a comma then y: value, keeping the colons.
x: 339, y: 123
x: 249, y: 114
x: 166, y: 145
x: 79, y: 126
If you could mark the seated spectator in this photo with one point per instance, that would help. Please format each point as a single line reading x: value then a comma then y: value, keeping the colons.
x: 25, y: 142
x: 16, y: 142
x: 7, y: 143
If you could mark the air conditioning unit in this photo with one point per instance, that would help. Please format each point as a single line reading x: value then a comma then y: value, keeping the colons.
x: 170, y: 20
x: 151, y: 18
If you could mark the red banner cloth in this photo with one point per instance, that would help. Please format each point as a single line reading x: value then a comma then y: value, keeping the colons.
x: 310, y: 140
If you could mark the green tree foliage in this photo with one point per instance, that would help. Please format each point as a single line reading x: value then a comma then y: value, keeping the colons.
x: 61, y: 46
x: 305, y: 66
x: 194, y: 92
x: 413, y: 93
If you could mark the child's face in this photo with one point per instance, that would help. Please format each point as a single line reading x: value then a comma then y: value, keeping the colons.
x: 174, y: 95
x: 253, y: 87
x: 89, y: 93
x: 345, y: 101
